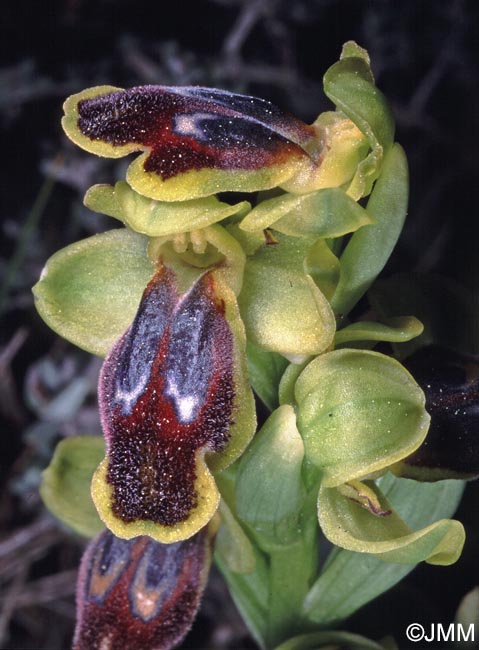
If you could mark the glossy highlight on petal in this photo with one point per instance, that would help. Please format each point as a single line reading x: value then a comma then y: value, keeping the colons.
x: 168, y: 394
x: 138, y: 594
x: 197, y: 140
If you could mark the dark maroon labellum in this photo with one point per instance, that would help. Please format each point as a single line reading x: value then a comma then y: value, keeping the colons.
x: 166, y: 392
x: 139, y: 594
x: 450, y: 382
x: 191, y: 128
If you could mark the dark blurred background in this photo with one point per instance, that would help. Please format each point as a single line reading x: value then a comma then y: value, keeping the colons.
x: 425, y: 58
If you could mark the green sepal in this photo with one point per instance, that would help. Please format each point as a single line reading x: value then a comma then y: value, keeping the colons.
x: 358, y: 413
x: 369, y: 248
x: 447, y: 309
x: 269, y: 489
x: 65, y: 486
x: 325, y: 213
x: 394, y: 330
x: 330, y: 640
x: 349, y: 84
x: 282, y: 308
x: 249, y: 590
x: 265, y: 370
x: 348, y: 525
x: 349, y: 580
x: 89, y: 292
x: 158, y: 218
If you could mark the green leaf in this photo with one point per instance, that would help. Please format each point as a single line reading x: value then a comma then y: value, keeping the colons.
x: 330, y: 641
x: 158, y: 218
x: 269, y: 490
x: 395, y: 330
x: 291, y: 570
x: 250, y: 591
x: 89, y: 291
x: 448, y: 311
x: 232, y: 543
x: 348, y: 525
x: 65, y: 486
x: 325, y: 213
x: 369, y: 248
x: 349, y: 580
x: 265, y: 370
x: 282, y: 308
x: 358, y: 412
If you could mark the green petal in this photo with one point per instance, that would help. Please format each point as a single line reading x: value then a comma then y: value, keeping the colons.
x: 282, y: 308
x: 369, y: 248
x: 65, y: 486
x: 89, y: 291
x: 326, y: 213
x: 158, y: 218
x: 396, y: 330
x: 358, y: 412
x: 269, y: 490
x: 350, y: 526
x: 349, y: 580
